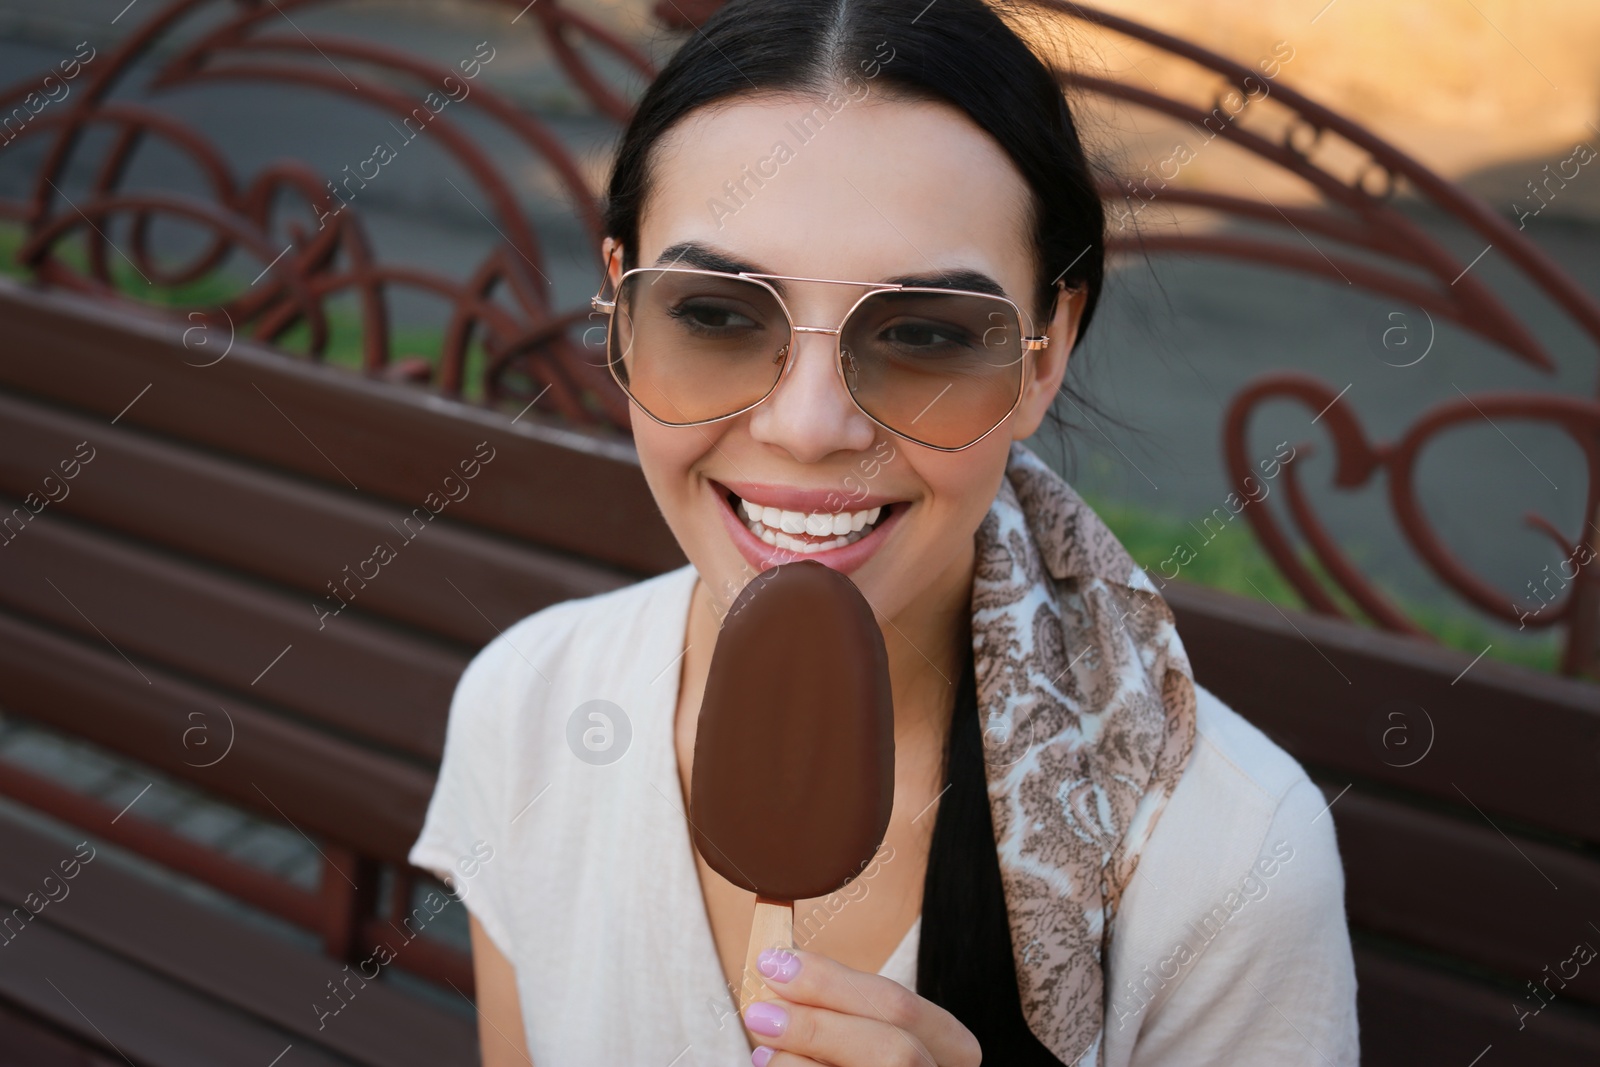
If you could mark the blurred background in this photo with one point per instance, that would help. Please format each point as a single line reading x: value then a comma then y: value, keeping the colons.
x: 1368, y: 229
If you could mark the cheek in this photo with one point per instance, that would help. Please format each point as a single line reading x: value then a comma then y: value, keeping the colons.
x: 665, y: 455
x: 962, y: 485
x: 668, y: 457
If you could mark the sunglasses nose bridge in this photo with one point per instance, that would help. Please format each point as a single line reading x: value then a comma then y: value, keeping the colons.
x: 833, y: 352
x: 844, y: 363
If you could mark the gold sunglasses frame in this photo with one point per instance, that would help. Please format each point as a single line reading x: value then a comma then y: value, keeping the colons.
x: 1030, y: 343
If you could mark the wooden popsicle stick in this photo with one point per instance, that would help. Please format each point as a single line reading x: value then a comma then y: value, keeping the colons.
x: 771, y: 927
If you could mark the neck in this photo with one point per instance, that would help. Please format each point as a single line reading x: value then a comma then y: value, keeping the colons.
x: 928, y: 641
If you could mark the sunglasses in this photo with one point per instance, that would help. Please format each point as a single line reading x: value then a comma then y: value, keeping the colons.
x: 939, y: 367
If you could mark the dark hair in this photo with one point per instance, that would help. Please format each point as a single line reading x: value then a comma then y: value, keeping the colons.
x: 956, y: 51
x: 964, y: 956
x: 963, y: 53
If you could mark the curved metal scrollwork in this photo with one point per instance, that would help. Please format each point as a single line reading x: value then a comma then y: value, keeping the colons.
x: 504, y: 305
x: 1359, y: 213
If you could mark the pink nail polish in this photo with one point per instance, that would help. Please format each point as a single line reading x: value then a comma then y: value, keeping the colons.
x: 760, y: 1056
x: 765, y: 1017
x: 778, y: 964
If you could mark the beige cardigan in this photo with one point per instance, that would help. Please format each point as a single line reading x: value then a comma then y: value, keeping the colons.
x: 1231, y: 946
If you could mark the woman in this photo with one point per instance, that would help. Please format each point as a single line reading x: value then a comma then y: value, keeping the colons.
x: 852, y: 244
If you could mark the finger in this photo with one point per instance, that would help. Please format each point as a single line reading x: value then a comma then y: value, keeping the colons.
x: 815, y: 980
x: 832, y: 1037
x: 767, y: 1056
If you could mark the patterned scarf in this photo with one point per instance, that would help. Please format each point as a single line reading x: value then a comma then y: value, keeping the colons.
x: 1081, y: 674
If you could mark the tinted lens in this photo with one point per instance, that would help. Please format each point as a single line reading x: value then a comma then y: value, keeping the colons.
x: 942, y: 368
x: 689, y: 346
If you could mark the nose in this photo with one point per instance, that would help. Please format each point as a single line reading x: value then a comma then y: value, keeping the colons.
x: 810, y: 413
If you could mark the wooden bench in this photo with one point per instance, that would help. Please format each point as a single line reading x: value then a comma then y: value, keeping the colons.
x: 1468, y: 833
x: 171, y: 590
x: 215, y: 510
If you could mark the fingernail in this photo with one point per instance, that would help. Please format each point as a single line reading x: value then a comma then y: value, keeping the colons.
x: 760, y: 1056
x: 778, y: 964
x: 765, y: 1017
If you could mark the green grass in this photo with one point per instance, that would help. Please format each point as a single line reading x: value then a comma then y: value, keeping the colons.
x: 1232, y: 560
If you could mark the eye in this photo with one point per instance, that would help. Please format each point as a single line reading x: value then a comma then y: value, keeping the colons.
x: 713, y: 316
x: 923, y: 334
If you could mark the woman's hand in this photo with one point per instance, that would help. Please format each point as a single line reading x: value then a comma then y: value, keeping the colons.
x: 830, y: 1014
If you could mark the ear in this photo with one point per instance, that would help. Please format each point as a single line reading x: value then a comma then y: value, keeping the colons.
x: 1048, y: 366
x: 611, y: 250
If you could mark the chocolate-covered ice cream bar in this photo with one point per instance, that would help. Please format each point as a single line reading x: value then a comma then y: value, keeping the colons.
x: 793, y: 777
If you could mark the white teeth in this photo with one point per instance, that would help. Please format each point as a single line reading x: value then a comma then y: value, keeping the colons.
x: 782, y: 540
x: 775, y: 525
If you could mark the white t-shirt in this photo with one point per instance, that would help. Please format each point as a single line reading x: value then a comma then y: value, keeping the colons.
x: 1231, y: 946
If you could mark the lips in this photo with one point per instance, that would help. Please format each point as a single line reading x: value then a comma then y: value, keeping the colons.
x: 768, y: 533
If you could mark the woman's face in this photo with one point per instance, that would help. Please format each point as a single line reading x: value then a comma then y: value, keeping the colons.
x: 882, y: 189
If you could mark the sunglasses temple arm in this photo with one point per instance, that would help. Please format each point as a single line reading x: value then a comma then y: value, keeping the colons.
x: 598, y: 301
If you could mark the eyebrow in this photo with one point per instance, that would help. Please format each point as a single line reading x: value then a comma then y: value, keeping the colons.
x: 704, y: 257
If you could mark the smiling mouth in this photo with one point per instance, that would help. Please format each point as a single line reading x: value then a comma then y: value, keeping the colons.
x: 807, y: 532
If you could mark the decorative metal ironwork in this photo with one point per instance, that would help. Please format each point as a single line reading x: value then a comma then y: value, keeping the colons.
x: 1359, y: 212
x: 526, y: 339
